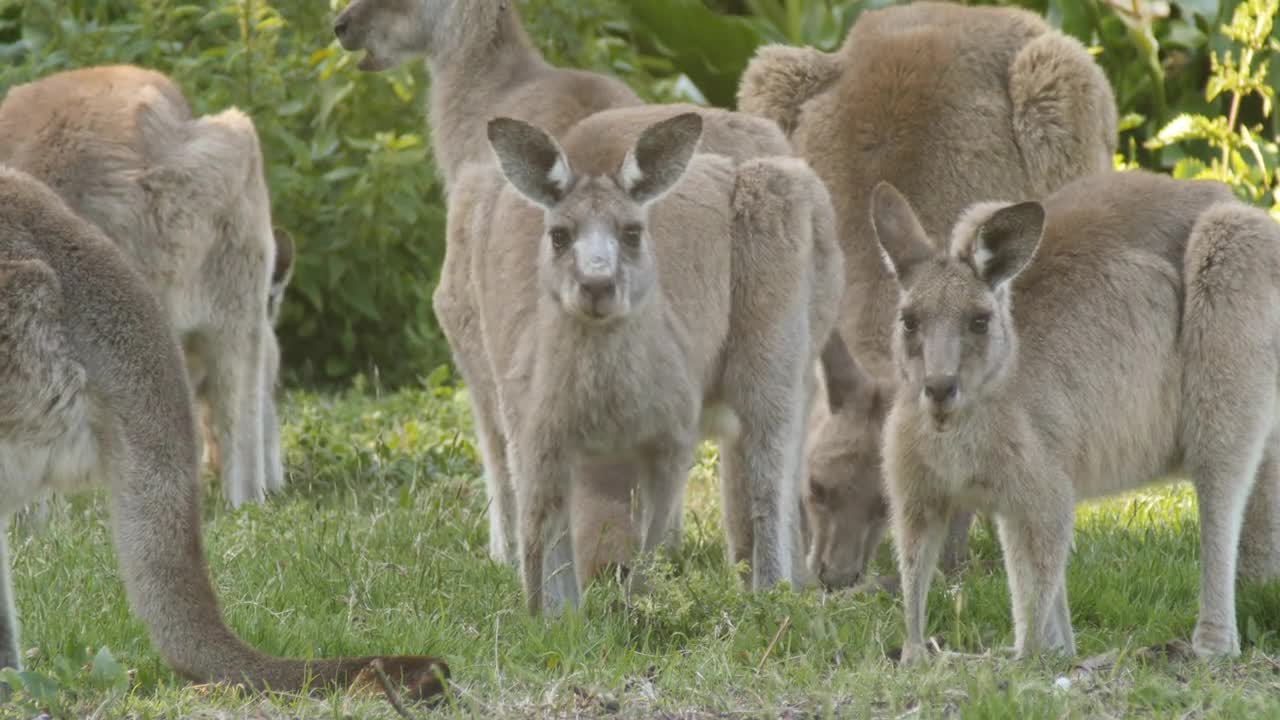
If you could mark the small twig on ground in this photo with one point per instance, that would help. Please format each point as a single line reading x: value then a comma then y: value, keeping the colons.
x: 767, y: 651
x: 389, y: 690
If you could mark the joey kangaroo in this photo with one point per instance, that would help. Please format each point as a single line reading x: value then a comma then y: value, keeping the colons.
x: 186, y: 200
x: 667, y: 287
x: 483, y: 66
x: 954, y: 105
x: 92, y: 389
x: 1123, y: 329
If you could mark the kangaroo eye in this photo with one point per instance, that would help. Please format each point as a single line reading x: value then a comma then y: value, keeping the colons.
x: 631, y: 235
x: 980, y: 324
x: 560, y: 238
x: 910, y: 324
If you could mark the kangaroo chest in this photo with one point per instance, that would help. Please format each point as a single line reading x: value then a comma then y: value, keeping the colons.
x: 619, y: 399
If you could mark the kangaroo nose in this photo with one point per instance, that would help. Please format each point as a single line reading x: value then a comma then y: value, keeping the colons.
x: 340, y: 25
x: 598, y: 288
x: 940, y: 389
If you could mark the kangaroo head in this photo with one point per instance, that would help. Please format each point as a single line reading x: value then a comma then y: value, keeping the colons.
x: 955, y: 336
x: 393, y: 31
x: 596, y: 261
x: 843, y: 497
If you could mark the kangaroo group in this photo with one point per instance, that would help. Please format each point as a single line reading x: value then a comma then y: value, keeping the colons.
x: 901, y: 284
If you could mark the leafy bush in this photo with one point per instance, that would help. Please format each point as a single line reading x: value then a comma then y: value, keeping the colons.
x: 348, y: 163
x: 349, y: 177
x: 1243, y: 157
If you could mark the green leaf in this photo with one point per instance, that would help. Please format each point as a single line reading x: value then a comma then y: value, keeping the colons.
x: 711, y: 49
x: 1131, y: 121
x: 106, y: 672
x: 1207, y: 9
x: 39, y: 687
x: 1072, y: 17
x: 1188, y: 169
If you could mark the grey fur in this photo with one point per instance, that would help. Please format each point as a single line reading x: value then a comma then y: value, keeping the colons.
x: 632, y: 372
x: 1174, y: 289
x: 92, y: 389
x: 953, y: 105
x: 186, y: 199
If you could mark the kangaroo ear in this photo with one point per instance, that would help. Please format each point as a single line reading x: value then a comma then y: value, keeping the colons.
x: 284, y: 256
x: 660, y: 157
x: 1007, y: 241
x: 531, y: 160
x: 898, y: 231
x: 842, y: 375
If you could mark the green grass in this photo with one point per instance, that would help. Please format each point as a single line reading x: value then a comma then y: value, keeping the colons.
x: 379, y: 545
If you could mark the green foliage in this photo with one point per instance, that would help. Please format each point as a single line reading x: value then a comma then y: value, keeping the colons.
x: 347, y: 164
x: 68, y: 680
x: 1243, y: 156
x: 347, y: 159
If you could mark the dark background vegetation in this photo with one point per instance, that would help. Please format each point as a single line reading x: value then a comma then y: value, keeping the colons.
x: 349, y: 163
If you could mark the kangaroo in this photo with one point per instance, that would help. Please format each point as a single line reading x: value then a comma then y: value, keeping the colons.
x: 617, y: 335
x: 186, y: 199
x: 92, y: 389
x: 1123, y: 329
x: 482, y: 65
x: 953, y: 105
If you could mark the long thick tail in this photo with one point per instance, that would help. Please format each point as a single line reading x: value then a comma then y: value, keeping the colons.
x: 158, y: 538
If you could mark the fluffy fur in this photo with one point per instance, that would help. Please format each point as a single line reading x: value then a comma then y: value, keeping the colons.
x: 92, y: 389
x: 952, y: 105
x: 615, y: 330
x: 1174, y: 289
x: 186, y: 200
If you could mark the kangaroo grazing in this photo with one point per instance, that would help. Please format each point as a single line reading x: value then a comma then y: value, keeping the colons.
x: 669, y: 288
x: 483, y: 66
x: 1123, y: 329
x: 92, y: 389
x: 186, y: 200
x: 954, y: 105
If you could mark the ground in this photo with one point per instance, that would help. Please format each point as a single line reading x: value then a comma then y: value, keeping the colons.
x: 379, y: 545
